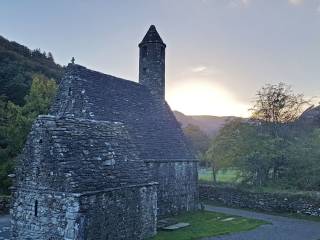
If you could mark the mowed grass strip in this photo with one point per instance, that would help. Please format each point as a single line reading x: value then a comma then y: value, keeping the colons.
x: 223, y: 176
x: 207, y: 224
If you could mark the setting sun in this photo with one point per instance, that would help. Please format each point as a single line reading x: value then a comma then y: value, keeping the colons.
x: 194, y: 97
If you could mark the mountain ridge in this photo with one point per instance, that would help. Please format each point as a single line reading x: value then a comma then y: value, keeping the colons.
x: 207, y: 123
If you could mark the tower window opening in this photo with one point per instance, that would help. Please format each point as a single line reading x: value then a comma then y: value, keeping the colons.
x: 69, y: 91
x: 144, y: 69
x: 36, y: 208
x: 144, y: 51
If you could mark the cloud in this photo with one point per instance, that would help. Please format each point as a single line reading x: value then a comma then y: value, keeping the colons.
x: 238, y: 3
x: 296, y: 2
x: 199, y: 69
x: 245, y: 2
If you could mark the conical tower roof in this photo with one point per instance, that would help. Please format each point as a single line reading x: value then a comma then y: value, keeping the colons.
x: 152, y: 36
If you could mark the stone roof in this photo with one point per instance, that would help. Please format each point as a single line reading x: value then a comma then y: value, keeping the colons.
x: 311, y: 116
x: 77, y: 155
x: 152, y: 127
x: 152, y: 36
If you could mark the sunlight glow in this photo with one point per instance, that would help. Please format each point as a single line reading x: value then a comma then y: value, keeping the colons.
x: 194, y: 97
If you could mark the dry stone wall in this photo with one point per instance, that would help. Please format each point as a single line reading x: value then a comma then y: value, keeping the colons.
x: 269, y: 202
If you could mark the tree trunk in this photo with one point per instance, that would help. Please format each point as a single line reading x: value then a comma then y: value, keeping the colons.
x: 214, y: 175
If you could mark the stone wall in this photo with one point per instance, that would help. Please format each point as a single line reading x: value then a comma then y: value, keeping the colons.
x: 269, y: 202
x: 46, y: 216
x: 4, y: 204
x: 123, y: 213
x: 129, y: 213
x: 177, y: 189
x: 82, y: 179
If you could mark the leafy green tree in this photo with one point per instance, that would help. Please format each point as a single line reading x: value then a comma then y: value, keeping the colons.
x: 240, y: 145
x: 197, y: 138
x: 16, y: 122
x: 260, y: 147
x: 304, y: 161
x: 277, y: 106
x: 39, y: 99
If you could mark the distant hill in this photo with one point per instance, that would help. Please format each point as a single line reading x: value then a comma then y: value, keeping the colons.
x: 208, y: 124
x: 17, y: 66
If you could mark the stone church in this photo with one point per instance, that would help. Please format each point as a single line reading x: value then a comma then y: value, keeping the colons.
x: 108, y: 160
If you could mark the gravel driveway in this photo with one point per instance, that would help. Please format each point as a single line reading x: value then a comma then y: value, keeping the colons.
x: 282, y: 228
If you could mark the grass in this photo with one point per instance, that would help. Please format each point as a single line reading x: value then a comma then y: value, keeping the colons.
x: 223, y: 176
x: 208, y: 224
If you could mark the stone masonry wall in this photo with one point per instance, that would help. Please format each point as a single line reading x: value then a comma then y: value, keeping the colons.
x: 269, y: 202
x: 81, y: 179
x: 128, y: 213
x: 152, y: 68
x: 177, y: 189
x: 123, y: 213
x: 46, y: 216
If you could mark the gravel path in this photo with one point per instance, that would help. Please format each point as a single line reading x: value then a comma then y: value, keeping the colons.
x: 282, y: 228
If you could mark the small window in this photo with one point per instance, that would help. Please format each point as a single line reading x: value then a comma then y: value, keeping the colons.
x: 144, y: 51
x: 162, y: 52
x: 145, y: 69
x: 69, y: 92
x: 36, y: 208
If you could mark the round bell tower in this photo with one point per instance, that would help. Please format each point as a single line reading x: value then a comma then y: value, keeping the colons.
x: 152, y: 62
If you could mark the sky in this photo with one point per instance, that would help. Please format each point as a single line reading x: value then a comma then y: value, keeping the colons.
x: 219, y: 52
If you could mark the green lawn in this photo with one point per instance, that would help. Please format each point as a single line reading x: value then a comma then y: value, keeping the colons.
x: 206, y: 224
x: 224, y: 176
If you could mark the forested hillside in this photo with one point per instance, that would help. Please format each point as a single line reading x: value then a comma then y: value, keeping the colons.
x: 210, y: 125
x: 17, y: 66
x: 28, y: 82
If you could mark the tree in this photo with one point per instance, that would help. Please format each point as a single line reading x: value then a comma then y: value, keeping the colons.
x: 260, y: 146
x: 197, y: 138
x: 18, y: 64
x: 278, y: 104
x: 239, y: 145
x: 41, y: 94
x: 304, y: 160
x: 50, y: 57
x: 16, y: 122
